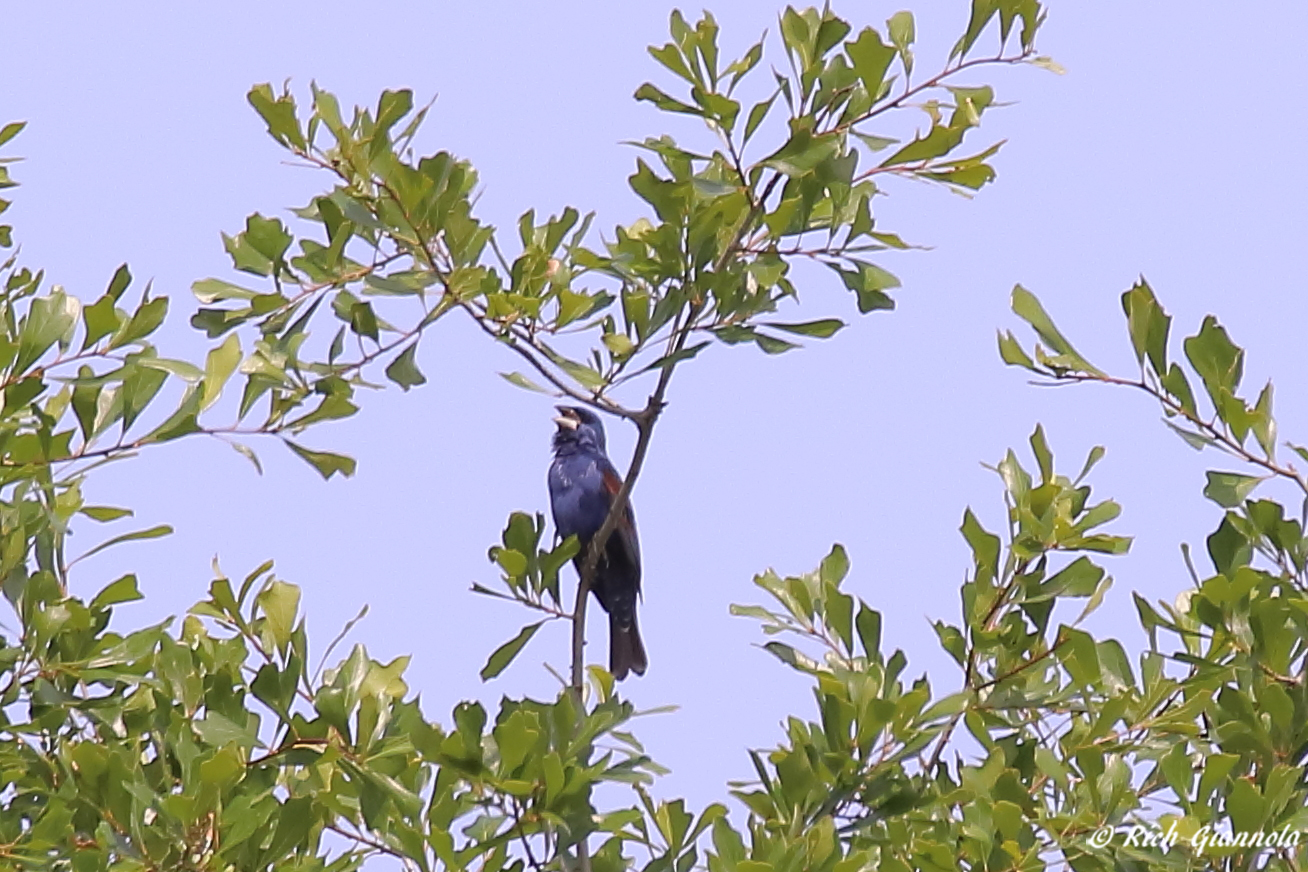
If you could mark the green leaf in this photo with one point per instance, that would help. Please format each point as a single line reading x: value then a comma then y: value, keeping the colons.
x: 823, y: 329
x: 1011, y: 352
x: 1264, y: 424
x: 1228, y: 548
x: 868, y: 282
x: 144, y: 321
x: 104, y: 514
x: 51, y: 319
x: 209, y: 291
x: 1044, y: 457
x: 517, y: 378
x: 279, y: 114
x: 1218, y: 360
x: 503, y: 655
x: 939, y: 141
x: 122, y: 278
x: 1079, y: 656
x: 100, y: 319
x: 181, y: 422
x: 124, y: 590
x: 1176, y: 384
x: 669, y: 198
x: 835, y: 566
x: 985, y: 549
x: 1214, y: 774
x: 392, y: 106
x: 403, y: 370
x: 868, y: 624
x: 804, y: 151
x: 670, y: 56
x: 151, y: 533
x: 217, y: 729
x: 773, y: 345
x: 513, y: 561
x: 140, y: 386
x: 1028, y: 308
x: 248, y: 453
x: 363, y: 320
x: 791, y: 656
x: 734, y: 334
x: 876, y: 143
x: 216, y: 322
x: 9, y: 131
x: 1197, y: 441
x: 21, y: 394
x: 756, y: 115
x: 222, y: 768
x: 280, y: 601
x: 187, y: 372
x: 618, y: 344
x: 651, y: 94
x: 1080, y: 578
x: 1045, y: 62
x: 1096, y: 454
x: 902, y: 32
x: 327, y: 463
x: 677, y: 356
x: 1230, y: 489
x: 1148, y: 325
x: 871, y: 59
x: 268, y: 236
x: 219, y: 365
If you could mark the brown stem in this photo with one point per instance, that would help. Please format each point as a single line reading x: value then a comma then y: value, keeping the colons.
x: 929, y: 84
x: 517, y: 346
x: 1025, y: 665
x: 128, y: 447
x: 644, y: 421
x: 371, y: 844
x: 1224, y: 441
x: 969, y: 673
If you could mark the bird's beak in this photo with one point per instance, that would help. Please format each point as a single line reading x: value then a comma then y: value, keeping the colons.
x: 565, y: 419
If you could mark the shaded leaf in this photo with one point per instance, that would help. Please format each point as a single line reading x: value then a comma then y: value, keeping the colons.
x: 823, y: 329
x: 403, y: 370
x: 502, y: 656
x: 327, y: 463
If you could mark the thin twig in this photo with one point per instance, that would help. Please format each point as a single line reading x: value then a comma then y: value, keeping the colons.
x: 373, y: 844
x: 931, y: 83
x: 520, y: 346
x: 1207, y: 429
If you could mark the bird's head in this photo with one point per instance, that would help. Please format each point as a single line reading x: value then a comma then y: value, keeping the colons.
x: 578, y: 426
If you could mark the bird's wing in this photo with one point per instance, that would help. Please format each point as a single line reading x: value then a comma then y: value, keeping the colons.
x: 577, y: 497
x: 625, y: 532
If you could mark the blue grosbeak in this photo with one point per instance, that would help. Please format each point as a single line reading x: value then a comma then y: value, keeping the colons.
x: 583, y: 484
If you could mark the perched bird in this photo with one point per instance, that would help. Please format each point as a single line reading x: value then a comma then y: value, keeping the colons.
x: 583, y: 484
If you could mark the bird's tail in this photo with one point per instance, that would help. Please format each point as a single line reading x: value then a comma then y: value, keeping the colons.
x: 626, y: 651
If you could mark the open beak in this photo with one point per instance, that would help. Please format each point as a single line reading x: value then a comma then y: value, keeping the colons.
x: 566, y: 419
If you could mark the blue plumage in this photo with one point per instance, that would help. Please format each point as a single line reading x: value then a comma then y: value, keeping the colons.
x: 582, y: 484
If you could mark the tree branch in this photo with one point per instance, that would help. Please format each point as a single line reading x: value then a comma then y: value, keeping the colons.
x: 931, y: 83
x: 1223, y: 441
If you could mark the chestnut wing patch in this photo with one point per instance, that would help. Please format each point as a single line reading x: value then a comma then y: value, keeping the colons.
x: 613, y: 484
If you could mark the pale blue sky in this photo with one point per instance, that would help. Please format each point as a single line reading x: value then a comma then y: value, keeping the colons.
x: 1172, y: 147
